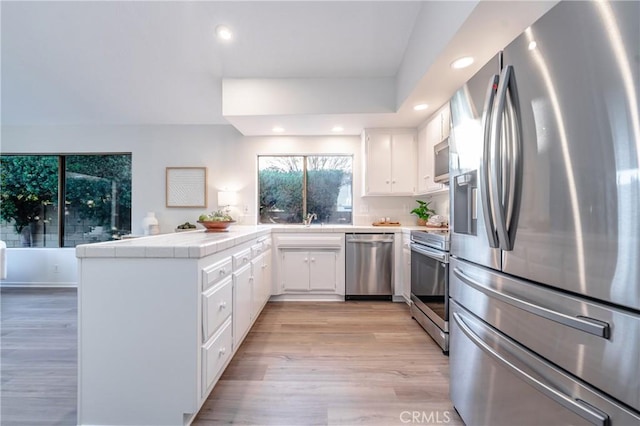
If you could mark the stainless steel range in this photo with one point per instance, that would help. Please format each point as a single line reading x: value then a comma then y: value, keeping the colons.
x: 430, y: 283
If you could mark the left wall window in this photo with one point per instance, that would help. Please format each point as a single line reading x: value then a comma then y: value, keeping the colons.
x: 94, y: 190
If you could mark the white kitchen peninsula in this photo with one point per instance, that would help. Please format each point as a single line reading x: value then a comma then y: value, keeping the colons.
x: 160, y: 317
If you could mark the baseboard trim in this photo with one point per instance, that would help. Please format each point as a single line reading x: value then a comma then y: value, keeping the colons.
x: 11, y: 284
x: 307, y: 298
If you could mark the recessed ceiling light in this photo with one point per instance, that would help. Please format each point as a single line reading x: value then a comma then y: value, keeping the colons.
x: 337, y: 129
x: 223, y: 32
x: 420, y: 107
x: 532, y: 45
x: 463, y: 62
x: 278, y: 129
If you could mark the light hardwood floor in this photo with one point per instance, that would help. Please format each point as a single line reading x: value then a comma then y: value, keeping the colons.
x: 352, y: 363
x: 38, y: 363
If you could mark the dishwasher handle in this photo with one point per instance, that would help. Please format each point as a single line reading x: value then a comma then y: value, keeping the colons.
x: 369, y: 238
x: 372, y: 242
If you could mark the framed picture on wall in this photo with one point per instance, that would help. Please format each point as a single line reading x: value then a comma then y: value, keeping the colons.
x: 186, y: 187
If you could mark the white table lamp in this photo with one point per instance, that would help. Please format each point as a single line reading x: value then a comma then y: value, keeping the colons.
x: 226, y: 199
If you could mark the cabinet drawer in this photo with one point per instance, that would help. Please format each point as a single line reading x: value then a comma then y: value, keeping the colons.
x: 215, y: 354
x: 241, y: 258
x: 257, y: 249
x: 216, y: 272
x: 583, y: 337
x: 489, y: 370
x: 266, y: 243
x: 217, y: 304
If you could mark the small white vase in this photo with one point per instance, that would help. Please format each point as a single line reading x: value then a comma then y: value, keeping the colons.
x: 150, y: 224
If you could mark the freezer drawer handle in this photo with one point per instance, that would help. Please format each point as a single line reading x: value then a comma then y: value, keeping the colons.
x: 577, y: 406
x: 369, y: 242
x: 582, y: 323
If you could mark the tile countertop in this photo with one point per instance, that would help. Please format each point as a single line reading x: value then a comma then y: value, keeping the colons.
x: 197, y: 244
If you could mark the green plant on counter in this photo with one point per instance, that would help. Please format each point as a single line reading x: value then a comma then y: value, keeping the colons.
x: 423, y: 211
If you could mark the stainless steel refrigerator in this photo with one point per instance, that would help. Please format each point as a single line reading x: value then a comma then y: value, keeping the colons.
x: 545, y: 225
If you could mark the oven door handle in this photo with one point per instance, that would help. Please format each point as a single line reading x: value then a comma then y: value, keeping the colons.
x: 429, y: 252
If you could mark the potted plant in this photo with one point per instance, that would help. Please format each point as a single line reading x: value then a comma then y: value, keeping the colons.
x: 423, y: 212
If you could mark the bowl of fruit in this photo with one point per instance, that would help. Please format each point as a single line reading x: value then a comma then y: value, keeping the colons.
x: 217, y: 221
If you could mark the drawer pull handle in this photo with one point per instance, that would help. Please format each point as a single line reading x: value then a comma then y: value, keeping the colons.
x: 578, y: 406
x: 223, y: 304
x: 579, y: 322
x: 223, y: 271
x: 223, y: 350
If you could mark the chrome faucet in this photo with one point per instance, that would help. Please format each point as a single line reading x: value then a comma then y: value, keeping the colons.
x: 309, y: 219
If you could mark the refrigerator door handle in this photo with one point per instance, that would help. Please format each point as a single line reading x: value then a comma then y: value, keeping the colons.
x: 487, y: 213
x: 582, y: 323
x: 577, y: 406
x: 516, y: 157
x: 507, y: 166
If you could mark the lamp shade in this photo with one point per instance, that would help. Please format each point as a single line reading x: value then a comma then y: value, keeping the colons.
x: 227, y: 198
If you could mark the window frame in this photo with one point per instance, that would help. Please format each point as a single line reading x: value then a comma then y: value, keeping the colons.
x: 304, y: 181
x: 62, y: 182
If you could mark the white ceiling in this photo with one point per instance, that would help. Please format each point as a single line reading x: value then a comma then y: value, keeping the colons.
x: 160, y: 63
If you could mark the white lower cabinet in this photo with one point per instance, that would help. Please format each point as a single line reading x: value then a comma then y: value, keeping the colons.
x: 406, y: 271
x: 322, y: 270
x: 242, y: 291
x: 215, y: 354
x: 267, y: 275
x: 295, y: 270
x: 309, y: 270
x: 217, y: 303
x: 310, y: 263
x: 257, y: 283
x: 261, y: 267
x: 194, y: 309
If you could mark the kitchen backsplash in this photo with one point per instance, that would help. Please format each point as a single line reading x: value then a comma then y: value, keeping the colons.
x: 397, y: 209
x: 371, y: 209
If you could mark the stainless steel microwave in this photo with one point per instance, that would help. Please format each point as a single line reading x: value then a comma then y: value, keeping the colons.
x: 441, y: 162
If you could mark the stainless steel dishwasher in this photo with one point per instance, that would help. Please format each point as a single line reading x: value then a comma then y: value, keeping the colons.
x: 369, y: 268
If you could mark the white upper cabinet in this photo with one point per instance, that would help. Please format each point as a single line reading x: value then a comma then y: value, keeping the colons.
x: 436, y: 130
x: 445, y: 121
x: 390, y: 162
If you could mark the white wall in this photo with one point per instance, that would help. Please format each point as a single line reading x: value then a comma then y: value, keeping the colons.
x: 435, y: 26
x: 43, y: 267
x: 153, y: 148
x: 230, y: 158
